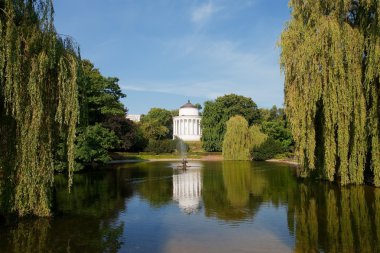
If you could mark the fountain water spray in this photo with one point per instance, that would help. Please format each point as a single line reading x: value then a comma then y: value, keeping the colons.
x: 182, y: 149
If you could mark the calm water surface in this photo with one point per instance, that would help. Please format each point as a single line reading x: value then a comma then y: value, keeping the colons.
x: 211, y: 207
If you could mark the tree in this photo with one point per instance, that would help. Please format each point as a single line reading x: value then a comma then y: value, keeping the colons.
x: 236, y: 142
x: 38, y: 100
x: 93, y: 145
x: 157, y: 124
x: 256, y: 136
x: 153, y: 130
x: 126, y: 131
x: 216, y: 113
x: 101, y: 98
x: 331, y: 57
x: 277, y: 131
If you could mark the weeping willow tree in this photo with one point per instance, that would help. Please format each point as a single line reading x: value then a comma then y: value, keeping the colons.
x: 331, y: 61
x: 236, y: 141
x: 38, y: 100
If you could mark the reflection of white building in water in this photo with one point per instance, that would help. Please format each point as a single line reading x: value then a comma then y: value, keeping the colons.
x: 187, y: 126
x: 187, y: 189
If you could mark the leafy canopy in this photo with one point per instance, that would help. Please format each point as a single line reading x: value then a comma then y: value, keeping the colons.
x: 331, y: 61
x: 236, y: 143
x: 157, y: 124
x: 101, y: 95
x: 38, y: 102
x: 217, y: 113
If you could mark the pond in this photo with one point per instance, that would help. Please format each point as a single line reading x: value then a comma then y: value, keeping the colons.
x: 210, y: 207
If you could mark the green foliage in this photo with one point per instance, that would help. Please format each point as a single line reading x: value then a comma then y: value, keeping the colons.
x: 237, y: 140
x: 277, y: 131
x: 92, y: 145
x: 331, y: 57
x: 38, y: 101
x: 127, y: 131
x: 217, y: 113
x: 256, y: 136
x: 101, y: 95
x: 153, y: 130
x: 167, y: 146
x: 157, y: 124
x: 161, y: 146
x: 267, y: 150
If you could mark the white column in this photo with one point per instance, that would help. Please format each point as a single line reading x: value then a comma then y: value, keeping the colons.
x: 174, y: 123
x: 175, y: 127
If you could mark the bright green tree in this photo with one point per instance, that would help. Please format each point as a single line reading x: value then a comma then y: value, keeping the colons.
x: 38, y: 100
x: 217, y: 113
x: 257, y: 137
x: 236, y: 143
x: 331, y: 60
x: 157, y: 124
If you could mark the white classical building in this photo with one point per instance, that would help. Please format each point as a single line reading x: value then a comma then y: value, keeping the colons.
x: 187, y: 126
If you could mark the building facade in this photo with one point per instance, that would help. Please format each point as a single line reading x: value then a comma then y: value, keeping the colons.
x: 134, y: 117
x: 187, y: 126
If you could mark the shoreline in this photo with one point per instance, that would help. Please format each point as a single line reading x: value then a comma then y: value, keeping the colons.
x: 206, y: 158
x: 290, y: 162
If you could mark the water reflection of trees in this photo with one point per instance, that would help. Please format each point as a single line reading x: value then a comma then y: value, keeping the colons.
x: 335, y: 219
x: 85, y: 220
x: 156, y: 184
x: 233, y: 194
x: 237, y: 192
x: 68, y: 235
x: 322, y: 217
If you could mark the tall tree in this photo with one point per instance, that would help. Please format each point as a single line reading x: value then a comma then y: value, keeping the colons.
x: 331, y: 60
x: 38, y: 97
x: 237, y: 141
x: 101, y: 98
x: 216, y: 113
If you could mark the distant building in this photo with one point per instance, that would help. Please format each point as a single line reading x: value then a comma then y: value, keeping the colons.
x: 187, y: 126
x: 134, y: 117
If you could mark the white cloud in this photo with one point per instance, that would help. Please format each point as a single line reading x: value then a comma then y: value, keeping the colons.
x: 203, y: 13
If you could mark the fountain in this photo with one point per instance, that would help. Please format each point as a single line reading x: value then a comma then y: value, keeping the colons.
x: 182, y: 149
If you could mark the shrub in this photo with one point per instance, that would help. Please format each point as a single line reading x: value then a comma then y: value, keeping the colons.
x: 267, y: 150
x: 161, y: 146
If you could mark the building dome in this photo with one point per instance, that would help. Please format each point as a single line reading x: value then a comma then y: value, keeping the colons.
x: 188, y: 109
x: 187, y: 126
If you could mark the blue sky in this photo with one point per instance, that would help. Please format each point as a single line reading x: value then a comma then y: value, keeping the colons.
x: 168, y: 51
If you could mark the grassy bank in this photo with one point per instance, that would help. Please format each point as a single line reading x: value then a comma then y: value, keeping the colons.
x: 144, y: 156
